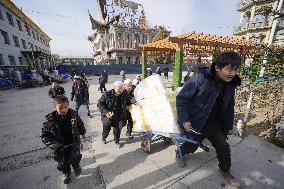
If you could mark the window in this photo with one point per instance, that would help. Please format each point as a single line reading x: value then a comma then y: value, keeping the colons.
x: 33, y: 34
x: 16, y: 41
x: 2, y: 60
x: 1, y: 15
x: 10, y: 19
x: 36, y: 49
x: 6, y: 37
x: 21, y: 60
x: 19, y: 25
x: 12, y: 60
x: 24, y: 44
x: 31, y: 46
x: 29, y: 32
x: 37, y: 37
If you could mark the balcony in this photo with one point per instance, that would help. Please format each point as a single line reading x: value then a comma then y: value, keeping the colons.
x: 254, y: 26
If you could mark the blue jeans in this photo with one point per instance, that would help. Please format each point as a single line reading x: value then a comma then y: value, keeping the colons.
x: 86, y: 104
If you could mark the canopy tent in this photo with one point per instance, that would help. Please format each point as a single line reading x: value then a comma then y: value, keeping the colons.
x: 193, y: 43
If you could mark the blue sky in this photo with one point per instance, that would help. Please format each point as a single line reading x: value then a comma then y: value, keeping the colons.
x: 67, y: 21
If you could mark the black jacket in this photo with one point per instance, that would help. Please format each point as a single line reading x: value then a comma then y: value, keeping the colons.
x: 131, y: 95
x: 197, y: 98
x: 80, y: 94
x: 102, y: 80
x: 107, y: 104
x: 52, y: 136
x: 54, y: 91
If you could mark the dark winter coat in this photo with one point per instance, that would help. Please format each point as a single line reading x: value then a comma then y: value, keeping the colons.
x: 54, y: 91
x: 131, y: 95
x: 52, y: 136
x: 102, y: 80
x: 107, y: 104
x: 196, y: 99
x: 81, y: 93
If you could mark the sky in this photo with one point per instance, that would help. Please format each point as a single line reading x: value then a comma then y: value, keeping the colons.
x: 67, y: 21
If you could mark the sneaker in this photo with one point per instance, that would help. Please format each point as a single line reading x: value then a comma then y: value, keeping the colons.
x: 89, y: 115
x: 129, y: 136
x: 67, y: 178
x: 78, y: 170
x: 231, y: 179
x: 180, y: 161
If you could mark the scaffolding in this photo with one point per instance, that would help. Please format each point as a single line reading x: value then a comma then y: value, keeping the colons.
x: 257, y: 18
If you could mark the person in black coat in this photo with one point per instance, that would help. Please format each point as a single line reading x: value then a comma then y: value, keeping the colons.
x: 129, y: 89
x: 205, y: 109
x: 166, y: 73
x: 102, y: 81
x: 61, y: 132
x: 114, y: 105
x: 55, y: 90
x: 80, y: 94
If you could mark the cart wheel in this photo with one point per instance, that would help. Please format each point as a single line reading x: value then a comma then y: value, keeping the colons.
x: 167, y: 140
x: 146, y: 144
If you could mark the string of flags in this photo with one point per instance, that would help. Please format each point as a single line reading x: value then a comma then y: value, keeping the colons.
x: 54, y: 14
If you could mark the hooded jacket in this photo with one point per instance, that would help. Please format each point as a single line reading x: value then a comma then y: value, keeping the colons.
x: 197, y: 98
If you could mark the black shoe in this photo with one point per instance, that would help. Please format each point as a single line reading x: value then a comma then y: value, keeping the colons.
x: 78, y: 170
x: 129, y: 136
x: 67, y: 178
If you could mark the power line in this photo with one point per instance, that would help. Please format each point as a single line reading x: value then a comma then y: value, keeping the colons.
x: 54, y: 14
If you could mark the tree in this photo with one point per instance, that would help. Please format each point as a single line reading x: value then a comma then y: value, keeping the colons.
x: 162, y: 34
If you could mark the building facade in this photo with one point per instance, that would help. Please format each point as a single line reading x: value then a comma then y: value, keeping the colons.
x: 121, y: 27
x: 119, y: 46
x: 23, y: 43
x: 256, y: 21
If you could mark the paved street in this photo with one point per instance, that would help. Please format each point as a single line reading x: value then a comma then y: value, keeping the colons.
x: 26, y: 162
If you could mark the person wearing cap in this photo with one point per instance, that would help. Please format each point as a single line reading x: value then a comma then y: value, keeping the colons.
x: 129, y: 89
x: 80, y: 94
x: 114, y: 105
x: 137, y: 80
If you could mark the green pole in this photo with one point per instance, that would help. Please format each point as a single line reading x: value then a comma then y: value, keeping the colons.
x: 177, y: 75
x: 242, y: 66
x: 144, y: 64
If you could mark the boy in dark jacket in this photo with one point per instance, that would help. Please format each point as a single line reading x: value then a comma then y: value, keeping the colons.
x: 80, y: 94
x: 61, y: 132
x: 205, y: 108
x: 55, y: 90
x: 113, y: 106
